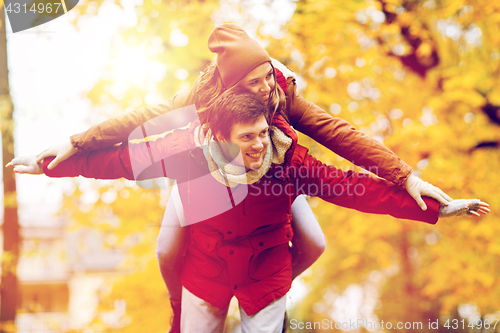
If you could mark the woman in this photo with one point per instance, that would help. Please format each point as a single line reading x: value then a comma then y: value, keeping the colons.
x: 244, y: 63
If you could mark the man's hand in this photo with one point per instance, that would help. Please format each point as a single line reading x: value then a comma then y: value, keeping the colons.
x: 461, y: 207
x: 416, y: 187
x: 26, y: 164
x: 61, y: 152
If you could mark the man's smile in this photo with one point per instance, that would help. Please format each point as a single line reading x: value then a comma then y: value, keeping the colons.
x: 255, y: 155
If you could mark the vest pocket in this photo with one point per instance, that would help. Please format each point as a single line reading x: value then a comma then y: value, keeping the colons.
x: 271, y: 252
x: 202, y: 255
x: 204, y: 264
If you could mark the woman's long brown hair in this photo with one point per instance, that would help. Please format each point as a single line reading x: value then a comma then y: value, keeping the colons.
x: 209, y: 86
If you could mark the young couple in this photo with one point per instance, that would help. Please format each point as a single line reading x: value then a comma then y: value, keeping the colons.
x: 241, y: 246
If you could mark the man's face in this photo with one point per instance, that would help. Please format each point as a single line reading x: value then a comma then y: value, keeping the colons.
x: 253, y: 140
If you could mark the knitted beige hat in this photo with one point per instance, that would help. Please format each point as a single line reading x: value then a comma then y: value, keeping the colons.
x: 237, y: 53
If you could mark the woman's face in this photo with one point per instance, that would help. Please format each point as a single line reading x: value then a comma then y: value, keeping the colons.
x: 260, y: 81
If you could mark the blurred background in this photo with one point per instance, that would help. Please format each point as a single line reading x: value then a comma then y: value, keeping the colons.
x: 421, y: 76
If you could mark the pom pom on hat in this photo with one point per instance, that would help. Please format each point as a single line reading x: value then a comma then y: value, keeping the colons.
x: 237, y: 53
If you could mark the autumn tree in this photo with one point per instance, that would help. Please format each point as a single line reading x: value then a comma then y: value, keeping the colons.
x: 10, y: 256
x: 421, y: 76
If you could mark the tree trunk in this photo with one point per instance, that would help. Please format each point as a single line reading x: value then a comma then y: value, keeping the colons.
x: 9, y: 284
x: 408, y: 272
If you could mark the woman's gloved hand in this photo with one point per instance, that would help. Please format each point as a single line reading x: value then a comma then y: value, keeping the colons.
x: 61, y: 152
x: 416, y: 187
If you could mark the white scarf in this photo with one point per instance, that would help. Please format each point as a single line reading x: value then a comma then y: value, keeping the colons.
x: 230, y: 174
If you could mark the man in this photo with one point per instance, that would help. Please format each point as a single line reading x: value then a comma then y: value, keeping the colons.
x: 237, y: 179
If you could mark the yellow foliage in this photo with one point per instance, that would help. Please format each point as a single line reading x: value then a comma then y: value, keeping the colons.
x: 424, y: 50
x: 350, y: 262
x: 440, y: 121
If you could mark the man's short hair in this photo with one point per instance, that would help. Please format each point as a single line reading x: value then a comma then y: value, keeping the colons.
x: 235, y: 107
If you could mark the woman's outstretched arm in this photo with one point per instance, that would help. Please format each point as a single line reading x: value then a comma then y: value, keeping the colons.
x: 343, y: 139
x: 136, y: 160
x: 115, y: 130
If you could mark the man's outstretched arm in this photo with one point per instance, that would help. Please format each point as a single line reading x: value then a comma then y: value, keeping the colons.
x: 368, y: 194
x: 135, y: 161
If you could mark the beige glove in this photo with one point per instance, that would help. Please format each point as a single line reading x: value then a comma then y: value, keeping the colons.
x: 61, y: 152
x: 416, y: 187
